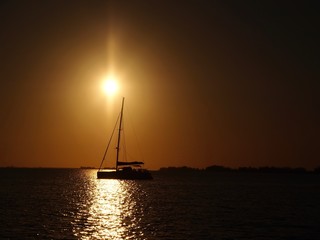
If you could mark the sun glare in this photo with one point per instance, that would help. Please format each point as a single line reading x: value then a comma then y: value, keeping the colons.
x: 110, y: 86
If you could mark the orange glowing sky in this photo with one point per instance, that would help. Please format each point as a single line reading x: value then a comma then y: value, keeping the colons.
x: 233, y: 84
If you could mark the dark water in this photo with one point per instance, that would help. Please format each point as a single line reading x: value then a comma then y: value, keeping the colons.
x: 73, y: 204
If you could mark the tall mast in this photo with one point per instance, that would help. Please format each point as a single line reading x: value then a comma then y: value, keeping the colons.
x: 119, y: 133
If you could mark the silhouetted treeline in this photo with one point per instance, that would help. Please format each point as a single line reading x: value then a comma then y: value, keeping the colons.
x: 317, y: 170
x: 179, y: 169
x: 273, y: 170
x: 217, y: 168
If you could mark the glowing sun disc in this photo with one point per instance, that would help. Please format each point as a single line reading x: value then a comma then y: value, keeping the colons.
x: 110, y: 86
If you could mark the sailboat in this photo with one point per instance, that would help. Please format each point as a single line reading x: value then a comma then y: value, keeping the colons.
x: 123, y: 170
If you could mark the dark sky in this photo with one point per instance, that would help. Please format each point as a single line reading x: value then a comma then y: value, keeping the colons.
x: 232, y: 83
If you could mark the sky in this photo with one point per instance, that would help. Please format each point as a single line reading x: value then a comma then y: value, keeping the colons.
x: 232, y: 83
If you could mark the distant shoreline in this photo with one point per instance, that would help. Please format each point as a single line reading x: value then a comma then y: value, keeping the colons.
x: 217, y: 168
x: 210, y: 169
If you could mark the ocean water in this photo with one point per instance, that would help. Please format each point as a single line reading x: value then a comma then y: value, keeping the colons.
x: 73, y: 204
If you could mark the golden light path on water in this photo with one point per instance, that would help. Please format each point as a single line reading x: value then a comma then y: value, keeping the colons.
x: 111, y: 210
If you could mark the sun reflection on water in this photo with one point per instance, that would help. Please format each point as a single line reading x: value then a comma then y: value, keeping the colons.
x: 112, y: 210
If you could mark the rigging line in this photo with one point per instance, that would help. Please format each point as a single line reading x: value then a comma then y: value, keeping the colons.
x: 135, y: 134
x: 124, y: 143
x: 126, y: 154
x: 105, y: 152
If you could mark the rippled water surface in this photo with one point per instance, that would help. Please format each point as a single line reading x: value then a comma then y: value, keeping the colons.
x: 73, y: 204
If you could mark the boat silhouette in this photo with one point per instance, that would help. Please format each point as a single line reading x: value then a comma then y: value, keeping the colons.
x: 123, y: 170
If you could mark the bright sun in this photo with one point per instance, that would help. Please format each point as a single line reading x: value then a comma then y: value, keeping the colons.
x: 110, y: 86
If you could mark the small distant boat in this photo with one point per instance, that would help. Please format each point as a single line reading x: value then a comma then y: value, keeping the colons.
x: 123, y: 170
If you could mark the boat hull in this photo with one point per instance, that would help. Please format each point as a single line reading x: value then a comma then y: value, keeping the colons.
x: 125, y: 175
